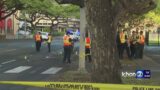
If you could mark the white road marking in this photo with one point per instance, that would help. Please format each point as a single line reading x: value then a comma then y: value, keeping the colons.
x: 18, y: 69
x: 8, y: 50
x: 8, y: 62
x: 52, y: 70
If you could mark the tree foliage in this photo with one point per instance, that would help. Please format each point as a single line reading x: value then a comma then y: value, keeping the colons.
x: 8, y: 7
x: 154, y: 15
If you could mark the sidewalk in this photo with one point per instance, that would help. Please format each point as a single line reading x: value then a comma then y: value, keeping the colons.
x: 145, y: 63
x: 71, y: 74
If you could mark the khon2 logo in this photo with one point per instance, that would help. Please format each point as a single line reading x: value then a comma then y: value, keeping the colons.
x: 143, y: 74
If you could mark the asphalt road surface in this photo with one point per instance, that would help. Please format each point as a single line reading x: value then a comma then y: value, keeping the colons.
x: 19, y: 61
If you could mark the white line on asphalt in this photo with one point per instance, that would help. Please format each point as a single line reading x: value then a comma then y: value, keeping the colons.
x: 8, y: 62
x: 18, y: 69
x: 52, y: 70
x: 9, y: 50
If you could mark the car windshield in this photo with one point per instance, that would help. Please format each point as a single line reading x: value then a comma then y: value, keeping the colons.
x: 43, y: 33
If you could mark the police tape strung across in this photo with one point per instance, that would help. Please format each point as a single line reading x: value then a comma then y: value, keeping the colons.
x: 80, y: 86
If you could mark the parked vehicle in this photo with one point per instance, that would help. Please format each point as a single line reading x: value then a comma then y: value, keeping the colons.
x: 74, y: 35
x: 44, y: 36
x: 22, y: 32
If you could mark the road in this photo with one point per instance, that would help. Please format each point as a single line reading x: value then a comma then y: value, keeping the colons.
x: 20, y: 62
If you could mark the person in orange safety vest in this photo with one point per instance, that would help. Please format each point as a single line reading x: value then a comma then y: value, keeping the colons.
x: 38, y: 40
x: 67, y: 48
x: 87, y: 48
x: 141, y: 42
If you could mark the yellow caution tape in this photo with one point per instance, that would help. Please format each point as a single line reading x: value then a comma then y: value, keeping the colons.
x: 81, y: 86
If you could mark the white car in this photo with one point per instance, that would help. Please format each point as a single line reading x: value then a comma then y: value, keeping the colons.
x: 21, y: 32
x: 44, y: 35
x: 74, y: 36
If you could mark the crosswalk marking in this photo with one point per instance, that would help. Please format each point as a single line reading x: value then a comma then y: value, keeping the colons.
x: 52, y: 70
x: 18, y: 69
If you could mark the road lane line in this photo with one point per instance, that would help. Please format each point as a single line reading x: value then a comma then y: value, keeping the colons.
x: 18, y: 69
x: 8, y: 62
x: 52, y: 70
x: 11, y: 50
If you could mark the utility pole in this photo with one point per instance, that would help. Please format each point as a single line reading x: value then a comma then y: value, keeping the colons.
x: 25, y: 25
x: 83, y: 23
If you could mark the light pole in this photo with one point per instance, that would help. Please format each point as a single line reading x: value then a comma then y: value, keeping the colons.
x: 18, y: 30
x: 25, y: 25
x: 83, y: 23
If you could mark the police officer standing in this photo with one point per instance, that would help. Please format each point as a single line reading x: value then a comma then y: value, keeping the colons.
x: 38, y: 40
x: 88, y: 47
x: 124, y: 45
x: 67, y: 48
x: 141, y: 45
x: 49, y: 42
x: 133, y: 44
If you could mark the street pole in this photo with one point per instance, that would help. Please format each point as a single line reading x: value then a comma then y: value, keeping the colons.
x: 83, y: 23
x: 25, y: 25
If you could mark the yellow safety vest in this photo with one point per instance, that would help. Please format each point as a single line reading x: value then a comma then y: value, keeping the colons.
x: 122, y: 37
x: 49, y: 39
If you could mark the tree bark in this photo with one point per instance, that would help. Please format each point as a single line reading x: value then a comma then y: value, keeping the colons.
x: 103, y: 17
x: 106, y: 67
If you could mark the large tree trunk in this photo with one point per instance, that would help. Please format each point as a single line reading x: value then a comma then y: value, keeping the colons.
x: 100, y: 18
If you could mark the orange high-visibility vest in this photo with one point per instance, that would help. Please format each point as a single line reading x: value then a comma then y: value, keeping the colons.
x: 38, y: 37
x: 122, y: 37
x: 142, y: 39
x: 66, y: 41
x: 88, y: 42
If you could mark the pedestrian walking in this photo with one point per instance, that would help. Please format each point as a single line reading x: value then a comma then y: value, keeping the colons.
x: 87, y: 48
x: 49, y: 42
x: 67, y: 48
x: 38, y: 40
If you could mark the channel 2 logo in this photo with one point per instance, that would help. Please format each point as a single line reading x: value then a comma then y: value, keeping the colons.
x: 140, y: 74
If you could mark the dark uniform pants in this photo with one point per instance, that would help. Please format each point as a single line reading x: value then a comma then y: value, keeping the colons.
x: 38, y: 46
x: 49, y: 47
x: 87, y: 51
x: 133, y: 50
x: 124, y: 46
x: 67, y: 54
x: 140, y: 51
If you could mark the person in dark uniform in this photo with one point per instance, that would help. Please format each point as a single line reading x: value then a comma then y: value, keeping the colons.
x: 124, y: 44
x: 67, y: 48
x: 49, y: 42
x: 137, y: 45
x: 133, y: 44
x: 118, y: 42
x: 141, y: 45
x: 38, y: 40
